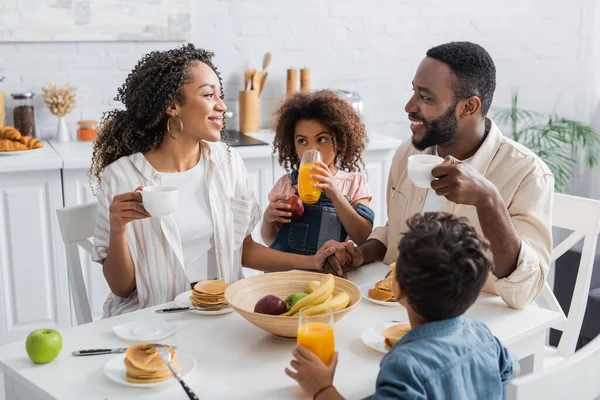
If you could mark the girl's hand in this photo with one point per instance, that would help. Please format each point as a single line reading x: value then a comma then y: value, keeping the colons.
x: 278, y: 210
x: 328, y: 183
x: 317, y: 261
x: 125, y: 208
x: 312, y: 375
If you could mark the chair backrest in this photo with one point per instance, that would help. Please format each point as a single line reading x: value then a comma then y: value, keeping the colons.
x: 582, y: 216
x: 574, y: 378
x: 77, y: 225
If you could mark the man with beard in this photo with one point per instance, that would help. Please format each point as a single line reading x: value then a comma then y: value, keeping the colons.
x: 501, y: 187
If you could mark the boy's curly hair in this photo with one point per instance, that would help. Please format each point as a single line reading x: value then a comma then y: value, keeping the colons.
x: 155, y: 82
x: 442, y: 265
x: 326, y: 107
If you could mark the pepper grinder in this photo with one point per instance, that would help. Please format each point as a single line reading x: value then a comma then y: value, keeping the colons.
x: 292, y: 81
x: 305, y: 80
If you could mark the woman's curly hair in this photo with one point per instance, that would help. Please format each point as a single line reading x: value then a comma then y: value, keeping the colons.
x: 326, y: 107
x: 155, y: 82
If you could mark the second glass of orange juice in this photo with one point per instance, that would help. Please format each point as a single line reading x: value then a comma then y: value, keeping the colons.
x: 315, y: 333
x: 309, y: 194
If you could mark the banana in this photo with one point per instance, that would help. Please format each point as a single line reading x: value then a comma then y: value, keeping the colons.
x: 320, y: 294
x: 338, y: 302
x: 311, y: 286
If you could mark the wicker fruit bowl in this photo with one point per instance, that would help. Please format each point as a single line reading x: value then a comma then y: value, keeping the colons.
x: 243, y: 295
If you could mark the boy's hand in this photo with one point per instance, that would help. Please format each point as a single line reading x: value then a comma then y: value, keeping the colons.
x: 278, y: 210
x: 328, y: 183
x: 312, y: 375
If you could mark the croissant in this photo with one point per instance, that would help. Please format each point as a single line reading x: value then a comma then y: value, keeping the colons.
x: 11, y: 145
x: 9, y: 132
x: 30, y: 142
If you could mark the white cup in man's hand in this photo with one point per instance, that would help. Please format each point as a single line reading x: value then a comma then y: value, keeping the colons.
x: 160, y: 200
x: 420, y: 167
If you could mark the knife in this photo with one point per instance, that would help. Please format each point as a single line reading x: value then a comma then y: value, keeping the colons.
x: 192, y: 308
x: 95, y: 352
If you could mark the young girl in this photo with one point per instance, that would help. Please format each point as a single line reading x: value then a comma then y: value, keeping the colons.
x: 319, y: 121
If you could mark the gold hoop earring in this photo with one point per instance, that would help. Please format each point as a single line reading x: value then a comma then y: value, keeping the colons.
x: 180, y: 127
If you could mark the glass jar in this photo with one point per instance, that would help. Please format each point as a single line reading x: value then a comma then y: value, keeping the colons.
x: 88, y: 130
x: 23, y: 114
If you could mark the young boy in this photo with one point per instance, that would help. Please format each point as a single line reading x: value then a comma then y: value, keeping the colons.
x: 440, y: 271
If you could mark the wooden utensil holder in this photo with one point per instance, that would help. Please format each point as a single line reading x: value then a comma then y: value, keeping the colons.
x: 249, y: 109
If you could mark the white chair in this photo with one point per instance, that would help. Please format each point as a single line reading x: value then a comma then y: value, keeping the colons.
x: 582, y: 216
x: 77, y: 225
x: 574, y: 378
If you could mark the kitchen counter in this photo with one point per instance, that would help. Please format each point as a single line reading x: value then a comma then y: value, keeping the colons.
x: 78, y: 155
x: 43, y: 159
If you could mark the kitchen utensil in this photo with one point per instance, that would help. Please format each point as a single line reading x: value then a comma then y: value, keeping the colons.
x: 190, y: 308
x: 96, y: 352
x: 262, y: 83
x: 247, y: 78
x: 266, y: 61
x: 256, y: 80
x: 165, y: 354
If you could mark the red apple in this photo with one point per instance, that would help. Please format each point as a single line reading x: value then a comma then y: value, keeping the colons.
x: 271, y: 305
x: 297, y: 206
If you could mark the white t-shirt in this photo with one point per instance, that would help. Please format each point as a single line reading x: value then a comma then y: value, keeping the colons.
x: 194, y: 222
x: 433, y: 202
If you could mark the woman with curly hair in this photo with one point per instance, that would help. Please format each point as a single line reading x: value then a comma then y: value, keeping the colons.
x: 325, y: 122
x: 168, y: 135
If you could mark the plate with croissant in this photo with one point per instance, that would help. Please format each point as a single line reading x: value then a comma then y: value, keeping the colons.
x: 12, y: 143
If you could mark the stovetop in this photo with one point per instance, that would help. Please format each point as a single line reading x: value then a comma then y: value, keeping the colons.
x: 237, y: 139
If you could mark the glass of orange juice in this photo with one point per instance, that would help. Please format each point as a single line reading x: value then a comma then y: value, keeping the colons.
x: 315, y: 333
x: 309, y: 194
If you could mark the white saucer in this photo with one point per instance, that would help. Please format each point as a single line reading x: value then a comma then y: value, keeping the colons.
x: 365, y: 293
x: 145, y: 330
x: 183, y: 300
x: 115, y: 370
x: 372, y: 337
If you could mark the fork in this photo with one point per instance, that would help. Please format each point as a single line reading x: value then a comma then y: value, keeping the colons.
x: 165, y: 354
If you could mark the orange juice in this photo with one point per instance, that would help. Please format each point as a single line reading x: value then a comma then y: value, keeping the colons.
x: 318, y: 338
x: 308, y: 193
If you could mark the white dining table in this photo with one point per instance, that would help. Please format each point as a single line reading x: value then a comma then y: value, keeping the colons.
x: 236, y: 360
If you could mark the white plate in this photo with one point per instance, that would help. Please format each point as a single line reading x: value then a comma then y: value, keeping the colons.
x: 115, y: 370
x: 19, y: 152
x: 183, y: 300
x: 145, y: 330
x: 365, y: 293
x: 372, y: 337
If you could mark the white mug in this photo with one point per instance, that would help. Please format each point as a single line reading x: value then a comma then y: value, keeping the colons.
x: 160, y: 200
x: 420, y: 167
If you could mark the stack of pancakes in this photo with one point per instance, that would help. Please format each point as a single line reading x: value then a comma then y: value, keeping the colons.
x: 383, y: 289
x: 394, y: 333
x: 209, y: 294
x: 144, y: 365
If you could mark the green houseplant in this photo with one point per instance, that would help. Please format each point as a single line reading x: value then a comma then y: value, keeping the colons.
x: 557, y: 141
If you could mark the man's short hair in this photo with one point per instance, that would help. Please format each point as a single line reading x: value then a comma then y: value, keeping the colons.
x: 474, y: 69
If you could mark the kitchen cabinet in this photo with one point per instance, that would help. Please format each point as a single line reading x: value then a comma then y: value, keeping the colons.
x: 33, y: 285
x: 34, y: 291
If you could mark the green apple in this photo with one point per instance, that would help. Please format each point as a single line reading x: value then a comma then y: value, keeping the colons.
x: 293, y: 298
x: 43, y: 345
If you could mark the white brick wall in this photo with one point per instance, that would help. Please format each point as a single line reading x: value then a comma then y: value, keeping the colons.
x: 544, y: 48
